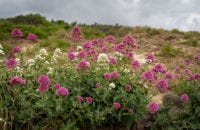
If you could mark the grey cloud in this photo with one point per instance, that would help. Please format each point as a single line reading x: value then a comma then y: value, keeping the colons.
x: 181, y: 14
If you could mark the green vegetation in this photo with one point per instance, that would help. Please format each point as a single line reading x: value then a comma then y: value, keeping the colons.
x: 169, y: 50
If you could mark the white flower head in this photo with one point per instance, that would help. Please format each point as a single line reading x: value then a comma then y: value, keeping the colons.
x: 31, y: 62
x: 1, y: 46
x: 79, y: 48
x: 102, y: 58
x: 126, y: 70
x: 112, y: 85
x: 43, y: 52
x: 1, y: 52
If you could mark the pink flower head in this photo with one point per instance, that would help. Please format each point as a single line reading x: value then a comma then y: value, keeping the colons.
x: 128, y: 87
x: 130, y: 55
x: 110, y: 38
x: 107, y: 76
x: 196, y: 57
x: 117, y: 105
x: 97, y: 84
x: 177, y: 68
x: 80, y: 98
x: 104, y: 49
x: 162, y: 84
x: 62, y: 91
x: 83, y: 65
x: 178, y: 76
x: 32, y: 37
x: 42, y: 88
x: 76, y: 35
x: 71, y: 55
x: 129, y: 40
x: 57, y: 86
x: 148, y: 75
x: 112, y: 60
x: 87, y: 45
x: 184, y: 97
x: 135, y: 64
x: 81, y: 54
x: 168, y: 75
x: 17, y: 80
x: 150, y: 58
x: 158, y: 68
x: 115, y: 74
x: 191, y: 77
x: 11, y: 63
x: 16, y: 49
x: 131, y: 110
x: 94, y: 42
x: 153, y: 107
x: 16, y: 33
x: 187, y: 61
x: 100, y: 41
x: 88, y: 99
x: 44, y: 80
x: 187, y: 71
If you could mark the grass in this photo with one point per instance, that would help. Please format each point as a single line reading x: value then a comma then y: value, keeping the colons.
x: 190, y: 42
x: 169, y: 50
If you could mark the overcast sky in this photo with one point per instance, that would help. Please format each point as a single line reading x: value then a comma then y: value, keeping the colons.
x: 181, y: 14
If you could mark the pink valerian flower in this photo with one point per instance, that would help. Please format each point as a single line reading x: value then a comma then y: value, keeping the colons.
x: 16, y: 33
x: 115, y: 75
x: 32, y: 37
x: 110, y: 38
x: 118, y: 47
x: 44, y: 80
x: 97, y: 84
x: 191, y: 77
x: 87, y: 45
x: 17, y: 80
x: 129, y: 40
x: 128, y: 87
x: 42, y: 88
x: 130, y: 55
x: 131, y: 110
x: 104, y: 49
x: 100, y: 41
x: 184, y: 97
x: 178, y: 76
x: 187, y: 61
x: 196, y: 57
x: 187, y: 71
x: 158, y: 68
x: 148, y: 75
x: 76, y: 35
x: 81, y: 54
x: 88, y: 99
x: 107, y: 76
x: 82, y: 65
x: 168, y: 75
x: 112, y: 60
x: 150, y: 58
x: 80, y: 98
x: 135, y: 64
x: 177, y: 68
x: 117, y: 105
x: 11, y: 63
x: 95, y: 42
x: 153, y: 107
x: 62, y: 91
x: 16, y: 49
x: 57, y: 86
x: 162, y: 84
x: 71, y: 55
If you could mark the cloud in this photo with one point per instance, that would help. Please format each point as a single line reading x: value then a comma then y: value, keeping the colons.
x: 181, y: 14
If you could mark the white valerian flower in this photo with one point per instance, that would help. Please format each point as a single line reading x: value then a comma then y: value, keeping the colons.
x: 1, y: 52
x: 79, y: 48
x: 102, y: 58
x: 31, y: 62
x: 46, y: 62
x: 18, y: 69
x: 50, y: 70
x: 112, y: 85
x: 118, y: 54
x: 58, y: 51
x: 1, y: 47
x: 126, y: 70
x: 18, y: 60
x: 43, y: 52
